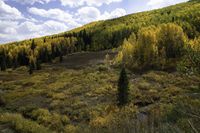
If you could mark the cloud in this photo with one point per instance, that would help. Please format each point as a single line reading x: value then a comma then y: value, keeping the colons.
x: 46, y: 28
x: 7, y: 12
x: 8, y: 27
x: 55, y: 14
x: 154, y: 4
x: 114, y: 14
x: 71, y: 3
x: 31, y: 2
x: 15, y: 26
x: 78, y: 3
x: 20, y: 31
x: 88, y: 14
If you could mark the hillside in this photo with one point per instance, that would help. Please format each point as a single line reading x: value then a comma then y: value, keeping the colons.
x: 70, y: 82
x: 101, y: 35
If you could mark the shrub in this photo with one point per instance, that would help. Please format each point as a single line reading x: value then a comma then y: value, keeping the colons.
x: 190, y: 63
x: 22, y: 125
x: 70, y: 129
x: 52, y: 120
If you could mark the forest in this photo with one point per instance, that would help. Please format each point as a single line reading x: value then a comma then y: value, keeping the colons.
x: 134, y: 74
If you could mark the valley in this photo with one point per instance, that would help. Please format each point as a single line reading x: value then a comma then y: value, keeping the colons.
x: 86, y: 96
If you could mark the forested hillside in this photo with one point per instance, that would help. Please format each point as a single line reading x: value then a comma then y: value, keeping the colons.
x: 98, y: 36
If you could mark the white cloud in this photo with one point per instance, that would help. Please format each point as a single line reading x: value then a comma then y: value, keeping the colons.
x: 114, y: 14
x: 19, y: 31
x: 88, y: 14
x: 7, y: 27
x: 31, y: 2
x: 77, y: 3
x: 154, y: 4
x: 14, y: 26
x: 71, y: 3
x: 52, y: 27
x: 55, y: 14
x: 8, y: 12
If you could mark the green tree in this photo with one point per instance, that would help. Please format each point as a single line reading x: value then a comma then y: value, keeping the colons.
x: 33, y: 46
x: 123, y: 88
x: 3, y: 63
x: 3, y: 60
x: 31, y: 65
x: 172, y: 39
x: 146, y: 49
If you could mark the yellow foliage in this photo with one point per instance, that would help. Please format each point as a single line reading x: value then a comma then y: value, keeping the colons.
x: 70, y: 129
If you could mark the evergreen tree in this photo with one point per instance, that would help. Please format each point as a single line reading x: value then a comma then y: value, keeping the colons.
x: 3, y: 61
x: 15, y: 63
x: 53, y: 52
x: 31, y: 65
x: 33, y: 46
x: 123, y: 87
x: 61, y: 57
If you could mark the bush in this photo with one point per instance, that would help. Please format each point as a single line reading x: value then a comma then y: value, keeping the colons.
x: 21, y: 124
x: 70, y: 129
x: 190, y: 63
x: 52, y: 120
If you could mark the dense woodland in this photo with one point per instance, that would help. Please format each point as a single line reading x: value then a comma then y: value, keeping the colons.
x: 184, y: 24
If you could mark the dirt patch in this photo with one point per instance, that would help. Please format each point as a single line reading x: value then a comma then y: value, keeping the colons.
x: 80, y: 60
x: 34, y: 101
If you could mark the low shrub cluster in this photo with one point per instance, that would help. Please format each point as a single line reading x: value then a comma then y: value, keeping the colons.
x: 22, y: 125
x: 53, y: 121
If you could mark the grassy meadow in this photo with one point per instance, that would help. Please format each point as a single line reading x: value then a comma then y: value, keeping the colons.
x: 59, y: 98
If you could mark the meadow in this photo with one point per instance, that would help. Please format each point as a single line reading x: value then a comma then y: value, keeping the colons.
x: 59, y: 98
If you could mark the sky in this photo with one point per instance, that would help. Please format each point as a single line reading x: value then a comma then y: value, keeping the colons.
x: 25, y: 19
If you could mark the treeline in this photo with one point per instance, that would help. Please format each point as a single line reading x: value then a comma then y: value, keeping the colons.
x: 32, y: 53
x: 162, y: 47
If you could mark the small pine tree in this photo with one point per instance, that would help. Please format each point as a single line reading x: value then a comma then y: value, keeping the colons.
x: 3, y: 63
x: 44, y: 41
x: 61, y: 57
x: 31, y: 65
x: 123, y: 87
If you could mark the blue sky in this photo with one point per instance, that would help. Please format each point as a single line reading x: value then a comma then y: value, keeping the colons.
x: 24, y: 19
